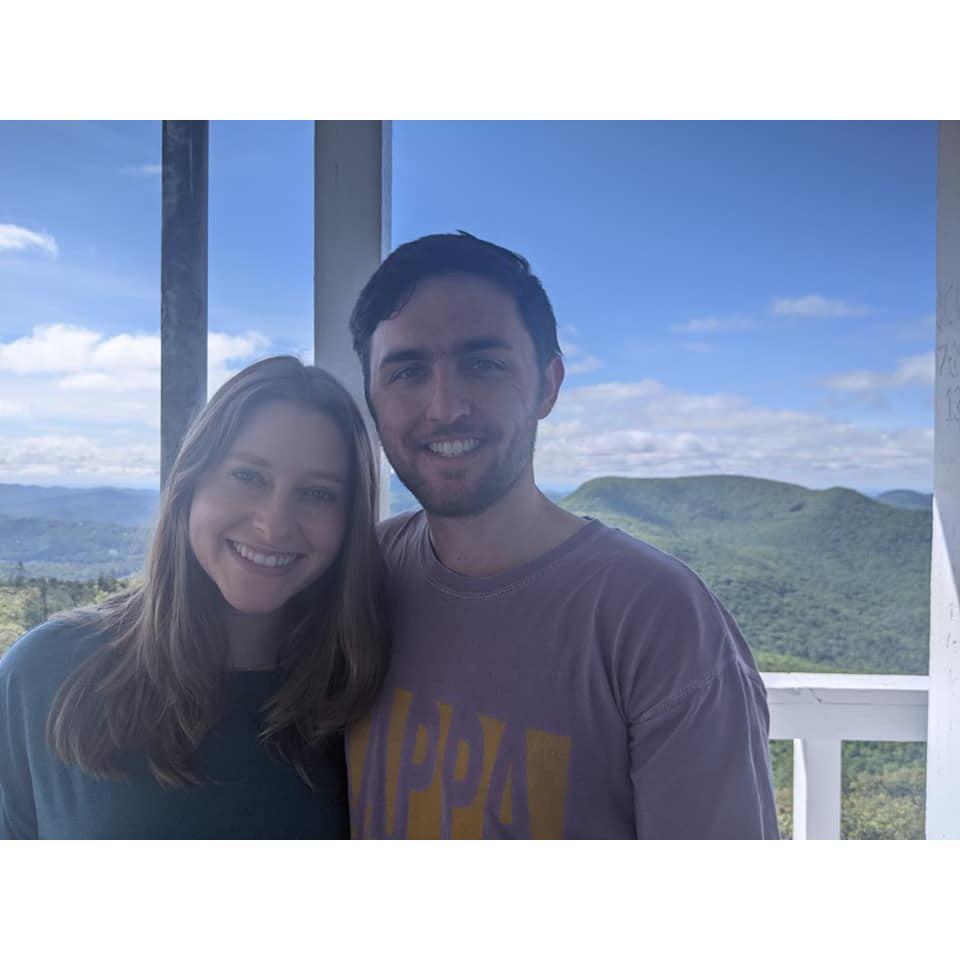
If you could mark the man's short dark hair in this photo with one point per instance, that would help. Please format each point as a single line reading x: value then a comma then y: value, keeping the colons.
x: 394, y: 281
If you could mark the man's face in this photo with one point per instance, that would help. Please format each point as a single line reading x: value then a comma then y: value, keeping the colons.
x: 456, y: 393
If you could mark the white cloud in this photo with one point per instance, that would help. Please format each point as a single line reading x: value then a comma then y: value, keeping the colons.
x: 911, y: 371
x: 65, y: 384
x: 72, y: 373
x: 145, y: 169
x: 813, y: 305
x: 713, y: 325
x: 584, y: 365
x: 575, y: 360
x: 648, y: 429
x: 51, y: 349
x: 11, y: 410
x: 224, y: 350
x: 13, y: 237
x: 69, y: 457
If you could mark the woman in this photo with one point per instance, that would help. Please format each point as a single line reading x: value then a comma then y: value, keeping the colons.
x: 210, y: 702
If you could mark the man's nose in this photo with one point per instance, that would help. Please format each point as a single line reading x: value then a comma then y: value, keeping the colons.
x: 273, y: 519
x: 449, y: 398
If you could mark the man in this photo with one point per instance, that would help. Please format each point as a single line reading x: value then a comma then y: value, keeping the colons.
x: 551, y: 677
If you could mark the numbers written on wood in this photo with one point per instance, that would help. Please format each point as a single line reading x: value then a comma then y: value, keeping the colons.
x: 952, y: 398
x: 948, y: 359
x: 948, y: 307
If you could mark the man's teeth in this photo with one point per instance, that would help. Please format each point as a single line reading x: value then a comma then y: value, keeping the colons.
x: 264, y: 559
x: 453, y: 448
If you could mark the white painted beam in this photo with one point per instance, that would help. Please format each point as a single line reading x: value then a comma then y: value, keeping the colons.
x: 352, y: 177
x: 943, y: 737
x: 847, y: 706
x: 816, y: 789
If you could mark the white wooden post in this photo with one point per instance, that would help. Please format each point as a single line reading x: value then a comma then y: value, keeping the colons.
x: 816, y: 789
x: 352, y: 177
x: 943, y: 734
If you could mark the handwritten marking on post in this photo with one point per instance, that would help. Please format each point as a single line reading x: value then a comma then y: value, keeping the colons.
x: 952, y: 398
x: 948, y: 359
x: 948, y: 306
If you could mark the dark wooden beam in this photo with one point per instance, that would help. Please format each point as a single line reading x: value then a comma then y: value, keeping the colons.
x: 183, y: 283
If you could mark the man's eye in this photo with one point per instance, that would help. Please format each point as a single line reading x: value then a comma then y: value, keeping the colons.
x: 486, y: 365
x: 407, y: 373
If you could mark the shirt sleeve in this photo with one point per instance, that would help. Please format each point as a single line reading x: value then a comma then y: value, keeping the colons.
x: 699, y: 761
x: 18, y: 820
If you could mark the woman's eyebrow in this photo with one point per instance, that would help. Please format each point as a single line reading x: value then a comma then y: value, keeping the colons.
x: 323, y: 475
x: 249, y: 458
x: 260, y: 462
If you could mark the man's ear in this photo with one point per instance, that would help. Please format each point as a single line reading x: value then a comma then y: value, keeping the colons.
x: 550, y: 382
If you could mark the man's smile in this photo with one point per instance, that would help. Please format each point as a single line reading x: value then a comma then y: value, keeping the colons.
x: 453, y: 448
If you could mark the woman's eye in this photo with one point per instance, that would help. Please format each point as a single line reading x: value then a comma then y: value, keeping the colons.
x: 249, y: 478
x: 320, y: 495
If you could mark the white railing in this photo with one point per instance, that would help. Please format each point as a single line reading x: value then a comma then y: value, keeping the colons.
x: 817, y: 711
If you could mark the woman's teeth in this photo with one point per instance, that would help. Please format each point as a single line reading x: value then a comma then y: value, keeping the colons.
x: 263, y: 559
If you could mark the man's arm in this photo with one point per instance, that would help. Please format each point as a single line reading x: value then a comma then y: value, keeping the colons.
x: 700, y: 764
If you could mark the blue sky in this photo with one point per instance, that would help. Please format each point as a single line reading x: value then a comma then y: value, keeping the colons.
x: 732, y: 297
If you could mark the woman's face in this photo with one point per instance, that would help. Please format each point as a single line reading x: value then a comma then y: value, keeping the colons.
x: 269, y: 519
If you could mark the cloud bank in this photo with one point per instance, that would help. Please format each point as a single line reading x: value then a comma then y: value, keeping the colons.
x: 813, y: 305
x: 13, y: 237
x: 80, y: 406
x: 648, y: 429
x: 911, y: 371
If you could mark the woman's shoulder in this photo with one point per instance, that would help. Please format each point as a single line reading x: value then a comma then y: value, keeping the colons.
x: 48, y: 653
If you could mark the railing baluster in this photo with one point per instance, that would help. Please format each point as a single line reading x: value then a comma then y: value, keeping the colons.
x: 816, y: 789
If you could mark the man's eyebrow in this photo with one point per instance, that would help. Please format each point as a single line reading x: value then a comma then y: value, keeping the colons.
x: 417, y: 355
x: 256, y: 461
x: 482, y: 343
x: 404, y: 356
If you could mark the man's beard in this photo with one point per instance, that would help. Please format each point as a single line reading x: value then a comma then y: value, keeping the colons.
x: 498, y: 480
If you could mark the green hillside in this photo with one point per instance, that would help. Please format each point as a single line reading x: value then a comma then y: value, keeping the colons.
x: 80, y: 549
x: 819, y: 580
x: 907, y: 499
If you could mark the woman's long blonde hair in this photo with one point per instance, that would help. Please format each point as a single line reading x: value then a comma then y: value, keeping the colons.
x: 155, y: 686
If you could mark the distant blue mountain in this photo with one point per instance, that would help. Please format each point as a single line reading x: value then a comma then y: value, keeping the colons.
x: 906, y: 499
x: 119, y: 505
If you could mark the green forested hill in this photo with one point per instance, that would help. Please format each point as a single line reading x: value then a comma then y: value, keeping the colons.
x: 79, y: 549
x: 907, y: 499
x: 825, y: 580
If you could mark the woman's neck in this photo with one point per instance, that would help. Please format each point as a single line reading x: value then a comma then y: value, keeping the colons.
x: 253, y: 640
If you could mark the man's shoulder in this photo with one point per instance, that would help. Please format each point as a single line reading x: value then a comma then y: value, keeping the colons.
x: 396, y: 532
x: 662, y: 609
x: 634, y: 564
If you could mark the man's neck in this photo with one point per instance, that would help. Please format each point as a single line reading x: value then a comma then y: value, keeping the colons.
x: 520, y: 527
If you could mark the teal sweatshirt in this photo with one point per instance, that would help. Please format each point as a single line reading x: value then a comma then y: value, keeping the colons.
x: 247, y: 793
